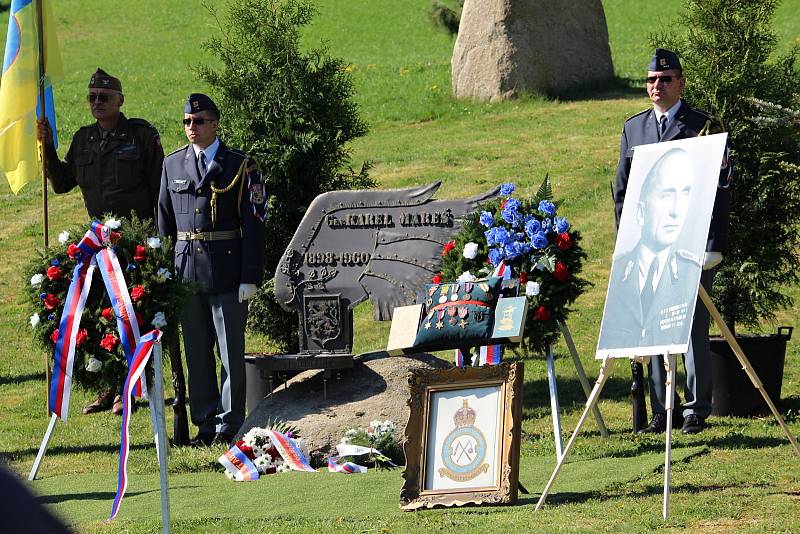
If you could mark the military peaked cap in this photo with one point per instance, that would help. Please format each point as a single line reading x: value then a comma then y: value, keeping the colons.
x: 198, y: 102
x: 664, y: 59
x: 103, y: 80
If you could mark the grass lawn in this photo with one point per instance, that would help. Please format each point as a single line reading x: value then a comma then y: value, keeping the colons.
x: 739, y: 476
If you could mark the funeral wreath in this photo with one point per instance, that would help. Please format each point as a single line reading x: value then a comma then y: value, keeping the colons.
x: 542, y: 249
x: 156, y: 293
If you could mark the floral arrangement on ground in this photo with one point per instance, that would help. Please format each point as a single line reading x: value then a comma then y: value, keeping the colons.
x: 380, y: 436
x: 540, y: 246
x: 257, y: 445
x: 156, y: 293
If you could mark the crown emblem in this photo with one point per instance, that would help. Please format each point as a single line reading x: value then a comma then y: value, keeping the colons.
x: 195, y: 104
x: 464, y: 416
x: 663, y: 61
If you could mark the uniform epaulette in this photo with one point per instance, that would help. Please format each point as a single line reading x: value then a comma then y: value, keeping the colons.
x: 181, y: 149
x: 687, y: 255
x: 640, y: 113
x: 238, y: 152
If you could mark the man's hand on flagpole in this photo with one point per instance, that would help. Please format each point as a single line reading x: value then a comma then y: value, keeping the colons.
x: 44, y: 132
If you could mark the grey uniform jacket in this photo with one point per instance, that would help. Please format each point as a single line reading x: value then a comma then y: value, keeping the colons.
x: 184, y: 205
x: 641, y: 129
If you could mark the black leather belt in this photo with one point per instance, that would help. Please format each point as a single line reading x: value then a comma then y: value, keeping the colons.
x: 218, y: 235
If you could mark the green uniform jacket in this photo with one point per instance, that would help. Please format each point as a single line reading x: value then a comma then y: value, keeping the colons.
x: 117, y: 176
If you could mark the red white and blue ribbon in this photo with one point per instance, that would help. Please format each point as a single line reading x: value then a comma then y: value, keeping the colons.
x: 346, y: 449
x: 64, y: 354
x: 238, y: 464
x: 460, y: 357
x: 135, y: 372
x: 127, y: 325
x: 348, y: 468
x: 290, y: 452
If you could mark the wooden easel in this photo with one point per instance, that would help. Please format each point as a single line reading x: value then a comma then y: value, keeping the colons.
x: 669, y: 364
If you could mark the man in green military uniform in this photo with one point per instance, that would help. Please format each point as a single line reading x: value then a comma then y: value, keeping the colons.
x: 116, y: 162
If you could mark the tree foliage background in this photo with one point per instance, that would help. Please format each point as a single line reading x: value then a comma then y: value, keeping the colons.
x: 293, y: 111
x: 728, y: 55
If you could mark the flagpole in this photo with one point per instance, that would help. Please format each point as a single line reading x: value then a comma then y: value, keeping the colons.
x: 45, y: 224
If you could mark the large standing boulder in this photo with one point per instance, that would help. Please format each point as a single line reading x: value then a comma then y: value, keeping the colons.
x: 505, y: 47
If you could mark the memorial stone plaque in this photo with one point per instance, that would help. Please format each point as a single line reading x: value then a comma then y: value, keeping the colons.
x: 382, y: 245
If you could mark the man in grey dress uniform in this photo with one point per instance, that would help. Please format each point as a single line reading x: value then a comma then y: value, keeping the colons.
x: 671, y: 118
x: 652, y: 283
x: 212, y: 202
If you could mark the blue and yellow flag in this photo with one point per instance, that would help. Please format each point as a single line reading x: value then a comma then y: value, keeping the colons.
x: 19, y: 90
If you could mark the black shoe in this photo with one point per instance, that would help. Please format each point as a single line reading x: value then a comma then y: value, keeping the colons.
x: 659, y: 423
x: 693, y: 424
x: 223, y: 438
x: 202, y: 439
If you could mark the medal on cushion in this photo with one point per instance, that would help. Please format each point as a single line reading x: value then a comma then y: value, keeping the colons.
x: 451, y: 311
x: 479, y: 315
x: 443, y: 294
x: 463, y: 313
x: 428, y: 320
x: 468, y: 290
x: 439, y: 322
x: 454, y: 292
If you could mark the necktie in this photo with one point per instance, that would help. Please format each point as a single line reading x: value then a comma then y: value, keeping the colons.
x: 104, y: 136
x: 203, y: 166
x: 662, y: 126
x: 648, y: 293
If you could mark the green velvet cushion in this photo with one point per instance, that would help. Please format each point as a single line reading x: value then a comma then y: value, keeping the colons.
x: 458, y: 314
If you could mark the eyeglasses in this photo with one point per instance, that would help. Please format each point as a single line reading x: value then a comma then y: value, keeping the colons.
x: 654, y: 79
x: 99, y: 97
x: 198, y: 121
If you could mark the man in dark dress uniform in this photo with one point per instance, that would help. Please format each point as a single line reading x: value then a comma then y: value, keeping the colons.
x: 669, y: 119
x: 212, y: 202
x: 116, y: 162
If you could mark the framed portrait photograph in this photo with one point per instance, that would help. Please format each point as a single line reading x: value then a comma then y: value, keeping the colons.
x: 660, y: 247
x: 462, y: 438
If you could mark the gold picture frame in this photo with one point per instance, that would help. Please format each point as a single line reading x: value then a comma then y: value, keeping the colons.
x: 462, y: 440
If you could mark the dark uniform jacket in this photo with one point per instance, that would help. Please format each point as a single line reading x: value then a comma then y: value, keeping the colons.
x: 626, y: 324
x: 641, y: 129
x: 117, y: 176
x: 184, y: 205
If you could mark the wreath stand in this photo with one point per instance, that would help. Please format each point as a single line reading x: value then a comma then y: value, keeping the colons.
x: 157, y: 419
x: 669, y: 364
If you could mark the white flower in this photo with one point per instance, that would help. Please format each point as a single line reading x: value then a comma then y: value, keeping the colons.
x: 466, y: 276
x: 229, y: 475
x: 94, y: 365
x: 532, y: 289
x: 470, y: 250
x: 159, y: 321
x: 263, y: 463
x: 163, y: 274
x: 63, y: 237
x: 154, y: 242
x: 113, y: 223
x: 37, y: 279
x: 282, y: 467
x: 34, y: 320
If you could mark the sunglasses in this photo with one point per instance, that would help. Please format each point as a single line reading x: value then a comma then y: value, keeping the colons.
x: 654, y: 79
x: 98, y: 97
x: 196, y: 121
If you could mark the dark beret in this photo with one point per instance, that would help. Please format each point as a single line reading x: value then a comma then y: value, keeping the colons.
x: 198, y: 102
x: 664, y: 59
x: 102, y: 80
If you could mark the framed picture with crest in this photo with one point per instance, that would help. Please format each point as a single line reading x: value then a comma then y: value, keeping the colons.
x: 463, y: 436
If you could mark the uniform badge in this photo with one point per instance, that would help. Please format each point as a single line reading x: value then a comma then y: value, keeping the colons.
x: 196, y: 104
x: 257, y: 195
x: 180, y: 182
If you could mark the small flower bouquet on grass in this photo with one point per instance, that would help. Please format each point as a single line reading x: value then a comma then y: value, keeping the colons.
x: 540, y: 246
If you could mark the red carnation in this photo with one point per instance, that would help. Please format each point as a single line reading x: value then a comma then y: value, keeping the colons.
x: 523, y: 278
x: 563, y: 241
x: 140, y: 254
x: 51, y: 301
x: 115, y: 237
x: 138, y: 292
x: 80, y: 339
x: 54, y: 273
x: 73, y: 251
x: 450, y: 245
x: 54, y: 336
x: 541, y: 314
x: 107, y: 314
x: 437, y: 279
x: 561, y: 272
x: 109, y: 341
